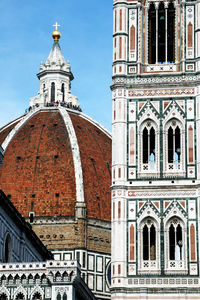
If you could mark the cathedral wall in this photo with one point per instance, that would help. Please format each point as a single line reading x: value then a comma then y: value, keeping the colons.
x: 70, y: 235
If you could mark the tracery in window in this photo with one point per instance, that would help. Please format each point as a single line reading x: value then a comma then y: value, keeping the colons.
x: 161, y: 33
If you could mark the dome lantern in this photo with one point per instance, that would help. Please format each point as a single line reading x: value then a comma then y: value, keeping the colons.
x: 55, y: 79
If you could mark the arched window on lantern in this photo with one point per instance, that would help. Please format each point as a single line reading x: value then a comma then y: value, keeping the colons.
x: 52, y: 92
x: 63, y: 92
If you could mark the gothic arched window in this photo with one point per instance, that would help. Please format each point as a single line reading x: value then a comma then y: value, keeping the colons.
x: 53, y: 92
x: 148, y: 246
x: 176, y: 245
x: 149, y: 242
x: 161, y: 33
x: 63, y: 91
x: 174, y: 144
x: 148, y: 137
x: 175, y: 242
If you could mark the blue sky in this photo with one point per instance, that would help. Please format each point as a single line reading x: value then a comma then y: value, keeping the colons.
x: 86, y: 28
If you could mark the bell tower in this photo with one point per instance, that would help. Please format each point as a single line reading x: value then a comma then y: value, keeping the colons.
x: 156, y: 150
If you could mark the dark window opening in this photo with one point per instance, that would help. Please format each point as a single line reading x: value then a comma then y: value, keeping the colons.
x: 31, y: 216
x: 149, y: 243
x: 152, y: 34
x: 171, y: 33
x: 179, y: 242
x: 145, y: 243
x: 152, y: 243
x: 175, y: 242
x: 63, y: 91
x: 52, y: 92
x: 170, y: 145
x: 177, y: 154
x: 148, y: 146
x: 145, y: 146
x: 171, y: 243
x: 58, y: 297
x: 152, y: 145
x: 161, y: 43
x: 64, y: 296
x: 174, y: 145
x: 161, y: 33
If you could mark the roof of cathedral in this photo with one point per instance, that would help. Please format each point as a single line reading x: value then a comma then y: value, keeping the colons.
x: 42, y: 170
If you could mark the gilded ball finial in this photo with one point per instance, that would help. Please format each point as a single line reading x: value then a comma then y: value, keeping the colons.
x: 56, y: 33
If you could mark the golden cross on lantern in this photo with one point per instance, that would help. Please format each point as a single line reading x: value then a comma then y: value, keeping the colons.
x: 56, y: 26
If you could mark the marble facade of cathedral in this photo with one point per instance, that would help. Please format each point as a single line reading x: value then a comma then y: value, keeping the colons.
x: 56, y: 170
x: 27, y: 268
x: 156, y: 150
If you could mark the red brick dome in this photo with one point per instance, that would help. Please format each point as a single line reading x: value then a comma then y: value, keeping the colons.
x: 54, y: 158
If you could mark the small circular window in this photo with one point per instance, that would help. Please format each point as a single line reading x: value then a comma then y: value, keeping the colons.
x: 7, y: 249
